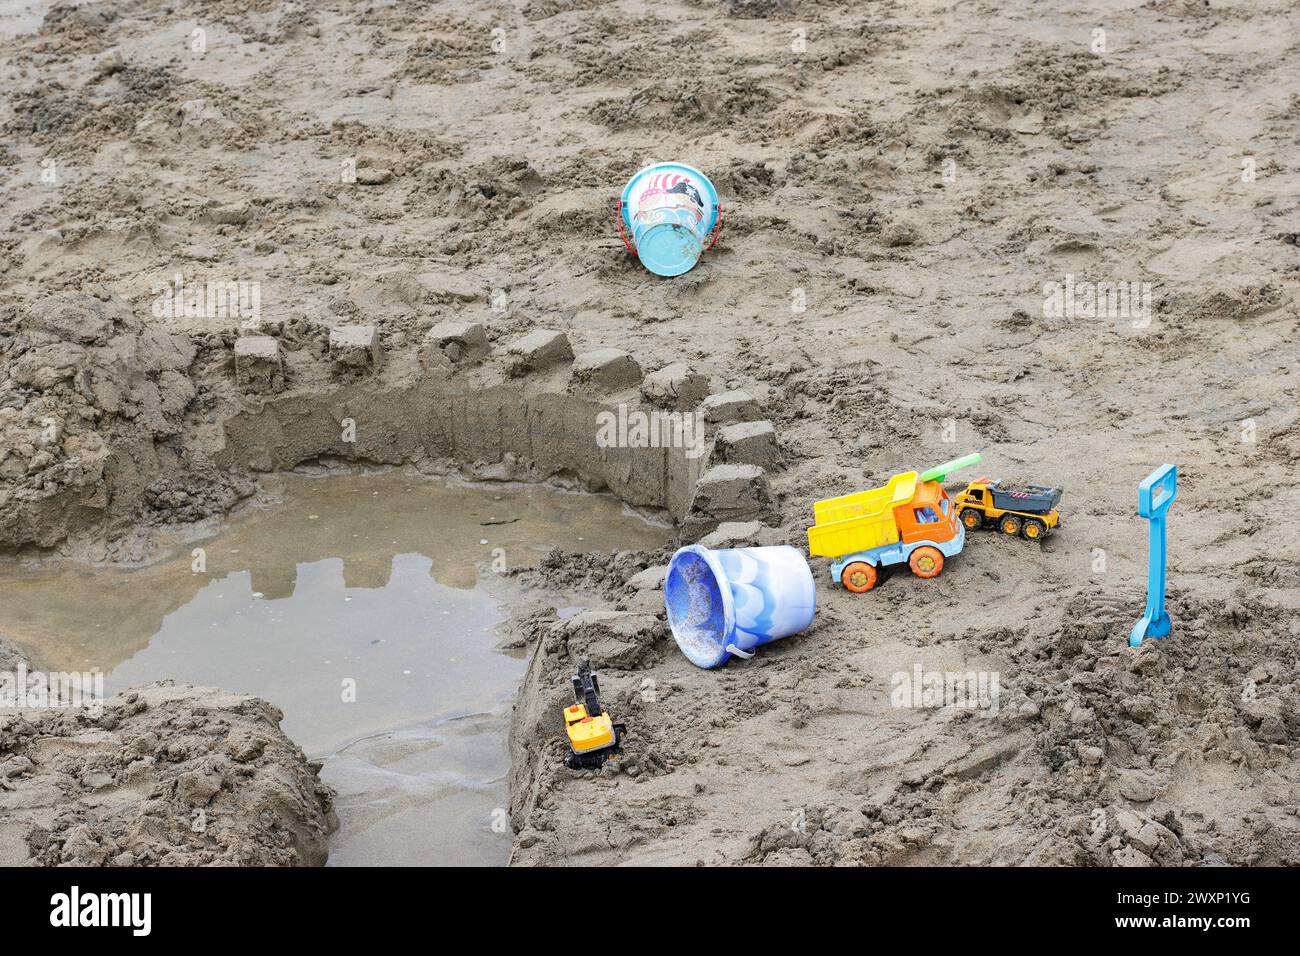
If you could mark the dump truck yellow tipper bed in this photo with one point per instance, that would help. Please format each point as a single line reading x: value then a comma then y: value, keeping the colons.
x: 859, y: 521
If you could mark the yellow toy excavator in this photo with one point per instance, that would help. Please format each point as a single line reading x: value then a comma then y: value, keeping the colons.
x: 593, y: 736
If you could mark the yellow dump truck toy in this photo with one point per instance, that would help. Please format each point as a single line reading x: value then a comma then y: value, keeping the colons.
x: 910, y: 520
x: 1025, y: 510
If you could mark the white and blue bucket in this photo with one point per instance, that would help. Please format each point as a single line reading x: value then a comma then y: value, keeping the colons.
x: 670, y: 210
x: 727, y: 602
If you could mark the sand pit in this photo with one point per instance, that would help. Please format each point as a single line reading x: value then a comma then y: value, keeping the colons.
x: 949, y: 227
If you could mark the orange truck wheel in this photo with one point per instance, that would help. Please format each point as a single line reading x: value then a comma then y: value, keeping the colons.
x: 1009, y: 524
x: 926, y: 562
x: 971, y: 518
x: 859, y: 577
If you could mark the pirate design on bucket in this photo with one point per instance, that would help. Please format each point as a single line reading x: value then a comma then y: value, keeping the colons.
x: 667, y: 214
x: 661, y: 195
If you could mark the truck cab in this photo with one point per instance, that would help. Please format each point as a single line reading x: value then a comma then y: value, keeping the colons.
x: 974, y: 505
x: 928, y: 516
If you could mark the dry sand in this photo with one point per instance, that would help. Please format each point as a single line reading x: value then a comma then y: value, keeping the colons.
x: 900, y: 180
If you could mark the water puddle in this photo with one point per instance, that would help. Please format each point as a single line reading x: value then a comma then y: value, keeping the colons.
x: 364, y: 607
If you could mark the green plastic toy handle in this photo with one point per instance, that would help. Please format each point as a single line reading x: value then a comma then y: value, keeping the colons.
x: 941, y: 472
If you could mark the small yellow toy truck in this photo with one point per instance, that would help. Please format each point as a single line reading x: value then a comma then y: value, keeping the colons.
x: 1027, y: 510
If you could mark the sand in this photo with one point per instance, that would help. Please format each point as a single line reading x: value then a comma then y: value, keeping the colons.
x: 908, y: 189
x: 164, y: 774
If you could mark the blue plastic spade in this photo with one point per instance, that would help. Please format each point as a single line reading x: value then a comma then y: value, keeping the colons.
x: 1155, y: 495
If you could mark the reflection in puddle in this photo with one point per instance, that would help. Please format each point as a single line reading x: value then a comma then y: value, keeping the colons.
x: 340, y: 662
x: 356, y: 607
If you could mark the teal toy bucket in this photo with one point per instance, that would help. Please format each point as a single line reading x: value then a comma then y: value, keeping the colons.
x: 670, y: 211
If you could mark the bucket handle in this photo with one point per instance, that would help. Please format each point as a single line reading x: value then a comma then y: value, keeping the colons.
x: 733, y: 649
x: 717, y: 231
x: 618, y: 216
x: 622, y: 234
